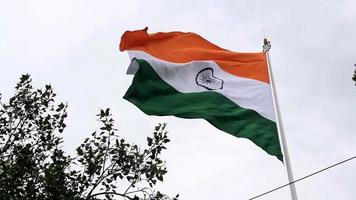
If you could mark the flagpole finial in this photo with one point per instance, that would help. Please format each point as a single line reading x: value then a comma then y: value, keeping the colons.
x: 266, y: 45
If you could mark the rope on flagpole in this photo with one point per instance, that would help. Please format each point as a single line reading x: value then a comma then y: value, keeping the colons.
x: 307, y: 176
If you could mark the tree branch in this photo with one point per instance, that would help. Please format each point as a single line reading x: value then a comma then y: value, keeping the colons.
x: 114, y: 193
x: 98, y: 181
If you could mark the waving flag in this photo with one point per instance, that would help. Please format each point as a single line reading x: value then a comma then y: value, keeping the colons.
x: 184, y: 75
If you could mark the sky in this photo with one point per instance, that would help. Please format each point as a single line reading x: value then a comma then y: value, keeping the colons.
x: 73, y: 45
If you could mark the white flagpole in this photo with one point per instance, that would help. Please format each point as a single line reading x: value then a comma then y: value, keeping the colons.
x: 266, y: 48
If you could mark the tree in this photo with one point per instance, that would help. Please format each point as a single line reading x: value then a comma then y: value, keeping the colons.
x: 33, y: 164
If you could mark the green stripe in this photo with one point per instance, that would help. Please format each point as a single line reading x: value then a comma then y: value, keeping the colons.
x: 155, y: 97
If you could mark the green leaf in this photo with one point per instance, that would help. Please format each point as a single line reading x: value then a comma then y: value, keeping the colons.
x: 48, y: 87
x: 149, y: 141
x: 80, y: 151
x: 157, y: 127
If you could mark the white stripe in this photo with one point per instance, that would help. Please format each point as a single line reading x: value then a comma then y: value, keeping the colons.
x: 247, y: 93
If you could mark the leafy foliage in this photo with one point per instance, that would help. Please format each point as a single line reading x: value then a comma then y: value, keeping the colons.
x: 34, y: 166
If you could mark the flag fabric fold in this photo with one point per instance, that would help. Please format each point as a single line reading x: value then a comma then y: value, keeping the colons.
x: 184, y: 75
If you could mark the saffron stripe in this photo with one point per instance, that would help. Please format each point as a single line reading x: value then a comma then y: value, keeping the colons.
x: 180, y: 47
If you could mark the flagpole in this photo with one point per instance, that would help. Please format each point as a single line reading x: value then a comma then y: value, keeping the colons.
x: 266, y: 48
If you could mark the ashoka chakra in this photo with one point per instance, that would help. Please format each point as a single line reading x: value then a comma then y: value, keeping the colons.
x: 205, y: 78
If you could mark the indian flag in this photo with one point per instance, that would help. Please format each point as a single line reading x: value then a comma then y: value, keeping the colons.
x: 184, y: 75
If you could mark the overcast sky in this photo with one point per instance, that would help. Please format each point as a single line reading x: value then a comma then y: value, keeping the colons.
x: 73, y: 44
